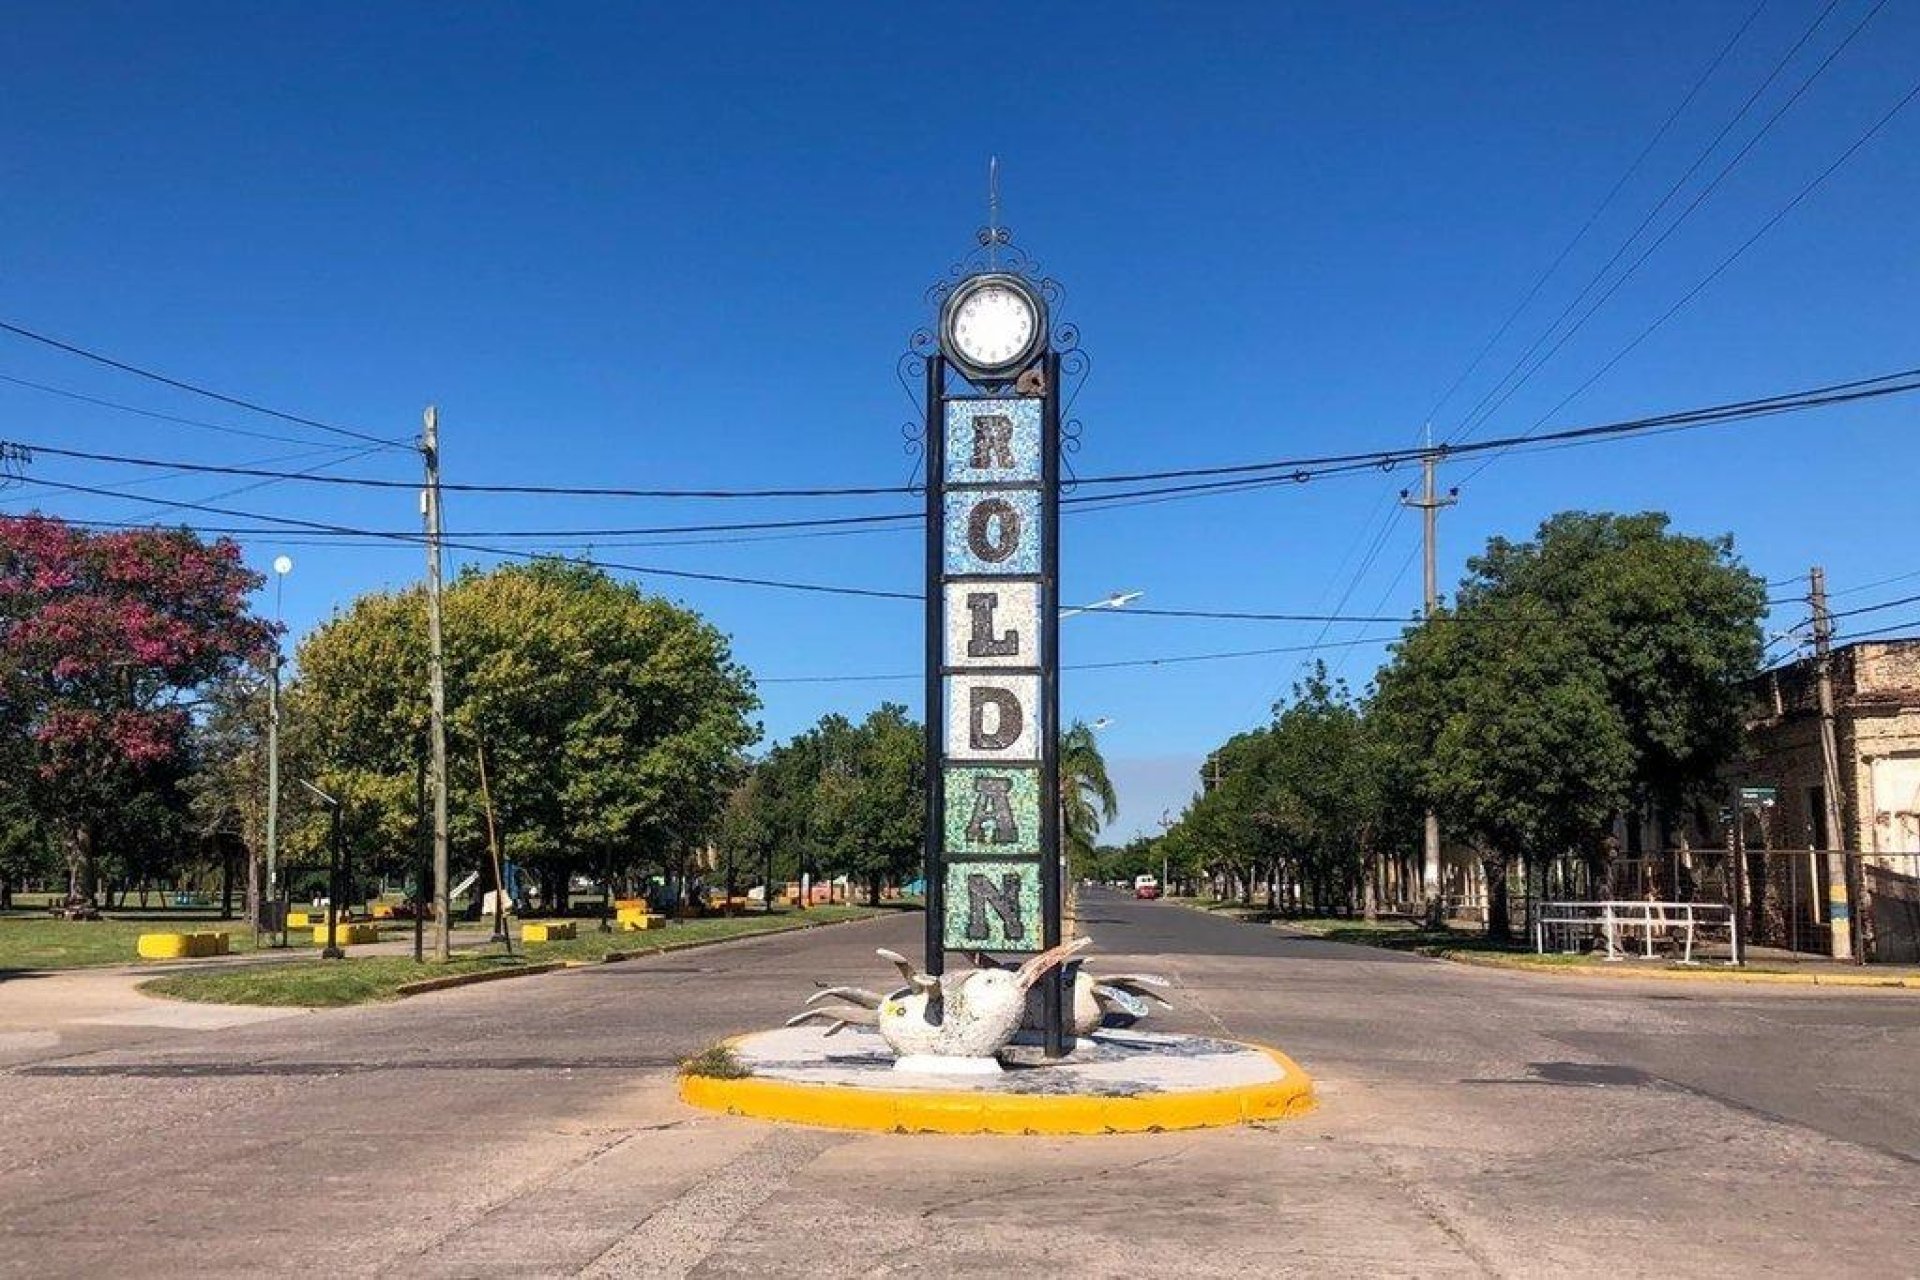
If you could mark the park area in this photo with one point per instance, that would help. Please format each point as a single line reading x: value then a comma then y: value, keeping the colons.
x: 256, y: 972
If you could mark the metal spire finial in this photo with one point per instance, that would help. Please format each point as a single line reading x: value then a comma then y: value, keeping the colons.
x: 993, y: 207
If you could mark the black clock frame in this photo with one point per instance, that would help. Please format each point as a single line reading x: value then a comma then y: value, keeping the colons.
x: 1006, y: 371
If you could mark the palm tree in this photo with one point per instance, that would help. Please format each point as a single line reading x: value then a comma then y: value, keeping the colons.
x: 1087, y: 797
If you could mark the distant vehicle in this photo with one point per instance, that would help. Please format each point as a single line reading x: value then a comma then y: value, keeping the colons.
x: 1146, y: 887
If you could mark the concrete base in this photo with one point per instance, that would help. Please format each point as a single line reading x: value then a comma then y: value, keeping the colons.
x: 1113, y: 1082
x: 940, y: 1064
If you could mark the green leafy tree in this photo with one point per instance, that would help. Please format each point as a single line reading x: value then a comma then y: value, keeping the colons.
x: 1671, y: 621
x: 1511, y: 734
x: 611, y: 722
x: 871, y: 800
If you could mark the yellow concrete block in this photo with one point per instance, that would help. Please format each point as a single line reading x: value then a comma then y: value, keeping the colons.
x: 636, y: 923
x: 383, y: 911
x: 346, y: 935
x: 165, y: 946
x: 547, y: 931
x: 303, y: 919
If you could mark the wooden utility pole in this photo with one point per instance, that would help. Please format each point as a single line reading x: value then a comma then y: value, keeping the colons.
x: 1839, y: 909
x: 1429, y: 504
x: 500, y: 932
x: 436, y: 690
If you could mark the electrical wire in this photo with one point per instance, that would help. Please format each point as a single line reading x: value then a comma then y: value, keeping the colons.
x: 1239, y: 475
x: 1495, y: 396
x: 180, y: 384
x: 1606, y: 202
x: 1123, y: 664
x: 517, y: 553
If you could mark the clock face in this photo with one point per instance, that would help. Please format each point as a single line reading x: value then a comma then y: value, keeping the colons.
x: 993, y: 324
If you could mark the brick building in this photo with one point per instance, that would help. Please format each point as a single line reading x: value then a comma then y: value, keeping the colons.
x: 1876, y: 692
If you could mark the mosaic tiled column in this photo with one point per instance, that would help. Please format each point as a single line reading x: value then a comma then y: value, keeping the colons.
x: 992, y: 666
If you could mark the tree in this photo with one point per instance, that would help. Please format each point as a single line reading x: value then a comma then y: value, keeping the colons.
x: 105, y: 638
x: 1087, y: 797
x: 612, y: 721
x: 871, y: 800
x: 1522, y: 751
x: 1672, y: 623
x: 844, y: 799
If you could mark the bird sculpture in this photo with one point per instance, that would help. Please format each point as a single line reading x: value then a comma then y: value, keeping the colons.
x: 953, y: 1022
x: 1107, y: 999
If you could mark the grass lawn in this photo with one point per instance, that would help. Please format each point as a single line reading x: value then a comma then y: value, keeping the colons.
x: 315, y: 984
x: 324, y: 984
x: 34, y: 940
x: 594, y: 945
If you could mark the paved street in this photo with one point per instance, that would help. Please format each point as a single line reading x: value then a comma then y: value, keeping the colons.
x: 1472, y: 1122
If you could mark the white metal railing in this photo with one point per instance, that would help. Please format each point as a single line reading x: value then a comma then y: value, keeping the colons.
x: 1613, y: 920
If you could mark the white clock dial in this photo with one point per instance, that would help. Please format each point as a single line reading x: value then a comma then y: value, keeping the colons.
x: 993, y: 325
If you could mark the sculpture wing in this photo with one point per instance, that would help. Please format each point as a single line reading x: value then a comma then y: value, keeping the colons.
x: 852, y: 995
x: 837, y: 1020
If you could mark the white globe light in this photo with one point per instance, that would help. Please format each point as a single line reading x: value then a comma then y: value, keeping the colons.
x: 283, y: 565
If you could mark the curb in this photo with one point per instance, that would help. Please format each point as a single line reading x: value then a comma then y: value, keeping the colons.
x: 1891, y: 982
x: 1053, y: 1115
x: 667, y: 948
x: 425, y: 985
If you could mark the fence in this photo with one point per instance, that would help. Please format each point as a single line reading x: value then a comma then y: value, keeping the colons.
x: 1785, y: 896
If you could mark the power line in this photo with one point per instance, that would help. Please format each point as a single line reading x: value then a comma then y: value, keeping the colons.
x: 1163, y: 661
x: 154, y: 414
x: 1238, y: 475
x: 1874, y: 608
x: 1605, y: 203
x: 180, y: 384
x: 1812, y: 186
x: 1910, y: 624
x: 1489, y: 403
x: 513, y: 552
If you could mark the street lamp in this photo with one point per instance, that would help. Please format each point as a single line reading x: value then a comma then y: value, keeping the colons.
x: 1115, y: 600
x: 332, y: 950
x: 282, y: 566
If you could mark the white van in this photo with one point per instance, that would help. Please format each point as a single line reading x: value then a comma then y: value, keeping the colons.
x: 1146, y: 887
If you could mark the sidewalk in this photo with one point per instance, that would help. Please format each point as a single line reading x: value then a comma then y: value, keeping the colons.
x: 50, y: 1009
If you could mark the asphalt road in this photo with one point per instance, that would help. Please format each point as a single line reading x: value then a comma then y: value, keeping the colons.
x: 1472, y: 1122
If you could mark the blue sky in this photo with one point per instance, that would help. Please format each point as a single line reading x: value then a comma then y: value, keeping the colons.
x: 683, y: 246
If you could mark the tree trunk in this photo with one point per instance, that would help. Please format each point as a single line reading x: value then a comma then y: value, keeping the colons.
x: 83, y: 868
x: 1369, y: 887
x: 873, y: 889
x: 1499, y: 909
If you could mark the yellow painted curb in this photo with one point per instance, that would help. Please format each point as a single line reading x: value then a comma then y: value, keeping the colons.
x: 1891, y: 981
x: 916, y: 1111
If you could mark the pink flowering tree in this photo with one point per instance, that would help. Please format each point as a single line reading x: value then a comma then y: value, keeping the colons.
x: 105, y: 641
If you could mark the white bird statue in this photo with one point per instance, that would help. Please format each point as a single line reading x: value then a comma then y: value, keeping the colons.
x: 956, y: 1022
x: 1107, y: 999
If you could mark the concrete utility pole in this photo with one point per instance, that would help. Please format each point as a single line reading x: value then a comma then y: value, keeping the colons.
x: 1839, y: 911
x: 1429, y: 506
x: 436, y: 691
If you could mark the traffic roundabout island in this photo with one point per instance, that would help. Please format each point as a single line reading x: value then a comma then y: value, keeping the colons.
x: 1114, y: 1081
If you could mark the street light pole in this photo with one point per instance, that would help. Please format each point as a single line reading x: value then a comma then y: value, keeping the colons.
x: 282, y: 566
